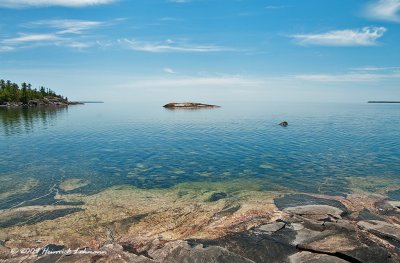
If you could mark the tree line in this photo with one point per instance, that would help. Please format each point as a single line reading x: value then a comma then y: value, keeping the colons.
x: 11, y: 92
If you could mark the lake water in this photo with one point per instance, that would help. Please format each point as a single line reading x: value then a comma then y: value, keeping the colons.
x: 327, y: 148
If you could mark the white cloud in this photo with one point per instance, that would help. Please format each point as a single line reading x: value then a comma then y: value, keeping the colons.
x: 6, y: 48
x: 170, y: 46
x: 39, y: 40
x: 169, y: 71
x: 372, y: 68
x: 26, y: 38
x: 44, y: 3
x: 366, y: 36
x: 387, y: 10
x: 347, y: 77
x: 67, y: 25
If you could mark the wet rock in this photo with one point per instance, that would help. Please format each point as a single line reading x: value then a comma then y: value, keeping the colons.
x: 365, y: 214
x: 381, y: 228
x: 309, y: 257
x: 394, y: 195
x: 217, y: 196
x: 273, y: 227
x: 226, y: 211
x: 317, y: 212
x: 284, y: 124
x: 30, y: 217
x: 291, y: 200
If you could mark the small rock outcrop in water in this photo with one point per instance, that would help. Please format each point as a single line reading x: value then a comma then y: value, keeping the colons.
x: 284, y: 123
x: 189, y: 105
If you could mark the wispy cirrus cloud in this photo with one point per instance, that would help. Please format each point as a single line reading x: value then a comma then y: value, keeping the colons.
x: 348, y: 77
x: 67, y: 26
x: 26, y: 38
x: 6, y: 48
x: 386, y: 10
x: 170, y: 46
x: 372, y: 68
x: 63, y: 32
x: 366, y: 36
x: 46, y: 3
x: 40, y: 40
x: 169, y: 71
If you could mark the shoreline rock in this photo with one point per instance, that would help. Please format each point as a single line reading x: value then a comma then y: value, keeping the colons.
x: 46, y: 102
x: 189, y: 105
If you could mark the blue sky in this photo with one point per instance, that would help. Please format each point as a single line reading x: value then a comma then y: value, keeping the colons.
x: 213, y: 50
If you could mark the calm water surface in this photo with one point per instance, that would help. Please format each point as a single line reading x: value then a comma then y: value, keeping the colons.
x: 150, y: 147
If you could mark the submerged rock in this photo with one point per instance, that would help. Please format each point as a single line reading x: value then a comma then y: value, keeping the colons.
x: 189, y: 105
x: 217, y: 196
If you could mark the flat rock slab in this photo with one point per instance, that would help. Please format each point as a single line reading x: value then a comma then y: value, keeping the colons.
x: 317, y: 212
x: 309, y: 257
x: 181, y: 251
x: 292, y: 200
x: 382, y: 229
x: 273, y: 227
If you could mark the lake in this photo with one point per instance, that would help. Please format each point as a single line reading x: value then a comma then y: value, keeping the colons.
x: 326, y: 149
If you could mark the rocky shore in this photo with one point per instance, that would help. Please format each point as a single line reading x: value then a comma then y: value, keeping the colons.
x: 189, y: 105
x: 46, y: 102
x: 186, y: 224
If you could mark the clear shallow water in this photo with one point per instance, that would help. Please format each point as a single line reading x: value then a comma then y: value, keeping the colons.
x: 148, y: 146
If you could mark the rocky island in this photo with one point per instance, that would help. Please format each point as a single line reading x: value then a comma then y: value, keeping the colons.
x: 189, y: 105
x: 12, y: 95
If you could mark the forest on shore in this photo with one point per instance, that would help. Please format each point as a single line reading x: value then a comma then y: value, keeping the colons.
x: 12, y: 92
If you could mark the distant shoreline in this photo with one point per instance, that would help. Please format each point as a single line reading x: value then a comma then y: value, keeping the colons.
x: 383, y: 101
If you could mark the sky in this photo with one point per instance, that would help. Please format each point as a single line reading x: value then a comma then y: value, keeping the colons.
x: 208, y: 50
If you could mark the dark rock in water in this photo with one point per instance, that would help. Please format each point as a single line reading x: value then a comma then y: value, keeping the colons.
x: 292, y: 200
x: 32, y: 217
x: 284, y: 124
x: 226, y: 211
x: 217, y: 196
x: 394, y: 195
x: 365, y: 214
x: 188, y: 105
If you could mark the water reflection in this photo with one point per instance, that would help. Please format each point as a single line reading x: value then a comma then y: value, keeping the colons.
x: 26, y: 120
